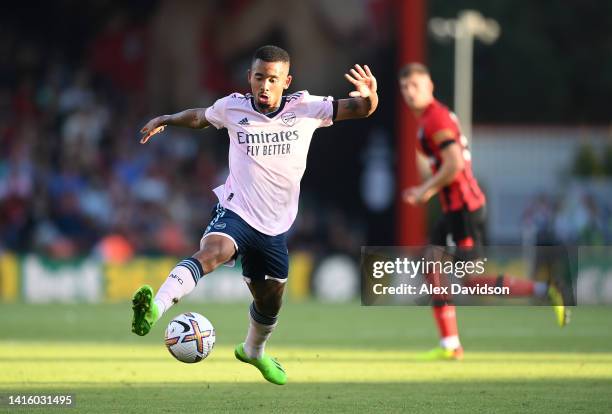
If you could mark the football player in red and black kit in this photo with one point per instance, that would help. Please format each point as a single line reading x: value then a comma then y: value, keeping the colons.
x: 463, y: 202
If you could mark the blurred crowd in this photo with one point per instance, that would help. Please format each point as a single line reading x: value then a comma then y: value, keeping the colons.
x: 77, y: 83
x: 73, y: 178
x: 582, y: 215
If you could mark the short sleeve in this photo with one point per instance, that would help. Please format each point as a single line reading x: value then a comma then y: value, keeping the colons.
x: 320, y: 107
x: 215, y: 114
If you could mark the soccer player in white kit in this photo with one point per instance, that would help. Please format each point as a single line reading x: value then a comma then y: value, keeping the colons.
x: 269, y: 139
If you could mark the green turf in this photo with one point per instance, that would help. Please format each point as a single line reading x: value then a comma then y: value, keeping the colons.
x: 339, y: 358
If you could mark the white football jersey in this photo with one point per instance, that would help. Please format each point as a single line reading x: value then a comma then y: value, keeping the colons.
x: 267, y: 155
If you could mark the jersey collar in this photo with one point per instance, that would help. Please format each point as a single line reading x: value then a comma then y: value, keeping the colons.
x: 271, y: 114
x: 429, y: 107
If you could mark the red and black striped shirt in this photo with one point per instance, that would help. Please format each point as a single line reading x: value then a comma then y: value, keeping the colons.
x: 463, y: 191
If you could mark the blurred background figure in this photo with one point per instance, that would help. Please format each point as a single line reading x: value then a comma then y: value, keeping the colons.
x: 77, y: 81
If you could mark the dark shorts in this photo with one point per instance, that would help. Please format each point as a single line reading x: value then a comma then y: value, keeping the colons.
x: 263, y: 256
x: 461, y: 226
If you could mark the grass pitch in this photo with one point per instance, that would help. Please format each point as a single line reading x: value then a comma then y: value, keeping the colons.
x: 339, y: 358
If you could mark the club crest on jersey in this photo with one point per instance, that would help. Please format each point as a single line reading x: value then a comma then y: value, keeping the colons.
x: 288, y: 118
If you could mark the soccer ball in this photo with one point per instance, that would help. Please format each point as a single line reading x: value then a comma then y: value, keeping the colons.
x: 190, y: 337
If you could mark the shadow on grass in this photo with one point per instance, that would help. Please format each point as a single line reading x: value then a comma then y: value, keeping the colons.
x: 454, y: 396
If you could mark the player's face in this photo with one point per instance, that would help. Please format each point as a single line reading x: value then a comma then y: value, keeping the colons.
x: 268, y: 81
x: 417, y: 90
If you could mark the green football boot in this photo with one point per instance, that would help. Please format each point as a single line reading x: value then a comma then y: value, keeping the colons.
x: 562, y: 312
x: 145, y: 311
x: 442, y: 354
x: 268, y: 366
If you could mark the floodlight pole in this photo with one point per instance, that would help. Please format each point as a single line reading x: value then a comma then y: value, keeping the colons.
x: 469, y: 24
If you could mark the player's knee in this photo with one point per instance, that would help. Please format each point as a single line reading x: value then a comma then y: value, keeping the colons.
x: 209, y: 262
x: 206, y: 260
x: 214, y: 255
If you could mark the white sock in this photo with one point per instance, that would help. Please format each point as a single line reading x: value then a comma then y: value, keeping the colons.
x: 260, y: 329
x: 161, y: 305
x: 181, y: 281
x: 450, y: 342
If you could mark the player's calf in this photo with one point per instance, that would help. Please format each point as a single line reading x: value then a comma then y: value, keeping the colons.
x: 263, y: 314
x: 261, y: 327
x: 182, y: 280
x: 148, y: 309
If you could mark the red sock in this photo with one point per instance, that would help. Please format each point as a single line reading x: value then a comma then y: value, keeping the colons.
x: 518, y: 286
x: 446, y: 319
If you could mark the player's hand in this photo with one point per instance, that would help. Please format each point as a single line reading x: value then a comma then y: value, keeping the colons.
x: 363, y: 80
x: 416, y: 195
x: 154, y: 126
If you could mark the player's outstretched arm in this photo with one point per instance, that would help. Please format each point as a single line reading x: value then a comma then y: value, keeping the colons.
x: 190, y: 118
x: 364, y: 99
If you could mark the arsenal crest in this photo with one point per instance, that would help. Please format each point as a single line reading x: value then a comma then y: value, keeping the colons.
x: 288, y: 118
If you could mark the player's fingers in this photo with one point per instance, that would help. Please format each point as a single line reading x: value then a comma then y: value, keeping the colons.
x: 361, y: 71
x: 351, y: 79
x: 147, y: 127
x: 373, y: 84
x: 157, y: 130
x: 147, y: 137
x: 355, y: 74
x: 372, y: 78
x: 355, y: 94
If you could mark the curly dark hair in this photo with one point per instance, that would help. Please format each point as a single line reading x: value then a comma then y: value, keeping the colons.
x: 271, y: 53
